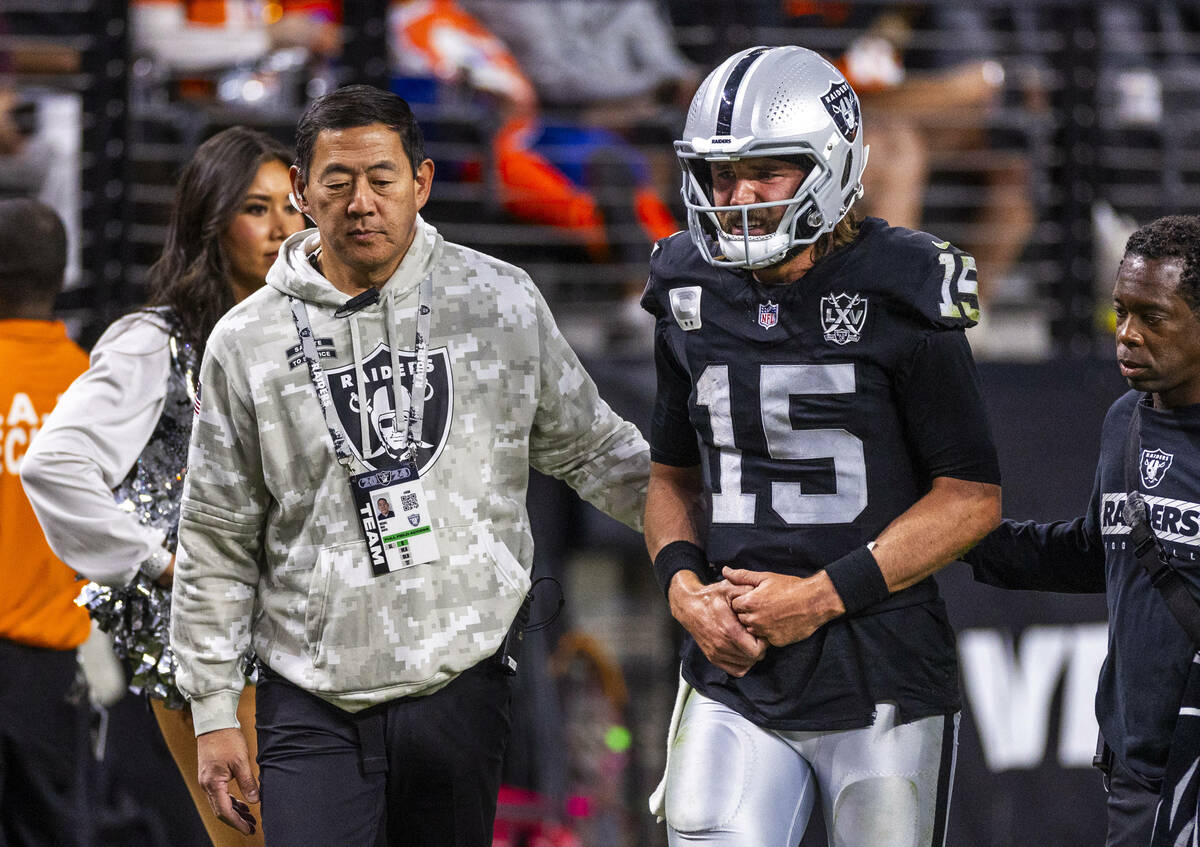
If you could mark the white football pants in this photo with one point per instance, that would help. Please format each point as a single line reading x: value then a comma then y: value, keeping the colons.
x: 735, y: 784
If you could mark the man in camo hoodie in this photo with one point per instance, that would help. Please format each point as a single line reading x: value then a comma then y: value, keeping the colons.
x: 379, y: 362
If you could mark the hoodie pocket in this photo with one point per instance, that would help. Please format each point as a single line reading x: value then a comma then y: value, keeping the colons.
x: 367, y: 632
x: 508, y: 569
x: 322, y: 592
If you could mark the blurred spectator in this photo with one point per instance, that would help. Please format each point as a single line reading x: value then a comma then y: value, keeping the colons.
x: 1147, y: 80
x: 614, y: 59
x: 584, y: 181
x: 23, y: 166
x: 939, y: 117
x: 240, y: 51
x: 43, y: 719
x: 1147, y: 102
x: 594, y: 696
x: 205, y: 35
x: 40, y: 135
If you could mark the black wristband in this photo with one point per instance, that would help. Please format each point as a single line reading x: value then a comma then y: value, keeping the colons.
x: 679, y: 556
x: 858, y: 580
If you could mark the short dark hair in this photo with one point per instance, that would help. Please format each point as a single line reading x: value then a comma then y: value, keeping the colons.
x: 33, y: 253
x: 1173, y: 237
x: 354, y: 106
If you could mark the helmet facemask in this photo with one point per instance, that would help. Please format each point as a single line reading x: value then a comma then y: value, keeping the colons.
x: 802, y: 222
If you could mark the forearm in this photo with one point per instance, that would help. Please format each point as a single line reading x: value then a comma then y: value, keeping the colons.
x: 930, y: 534
x: 212, y: 607
x: 1060, y: 556
x: 82, y: 523
x: 703, y: 609
x: 936, y: 530
x: 607, y: 466
x: 578, y: 438
x: 673, y: 503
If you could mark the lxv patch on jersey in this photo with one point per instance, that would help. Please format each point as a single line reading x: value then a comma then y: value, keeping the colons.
x: 843, y: 316
x: 685, y: 306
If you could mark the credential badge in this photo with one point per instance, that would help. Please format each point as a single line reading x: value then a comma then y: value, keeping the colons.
x: 685, y: 306
x: 1154, y: 466
x: 842, y: 105
x: 843, y: 316
x: 768, y: 314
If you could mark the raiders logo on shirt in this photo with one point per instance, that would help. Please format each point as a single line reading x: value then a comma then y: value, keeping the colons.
x: 1154, y: 466
x: 385, y: 416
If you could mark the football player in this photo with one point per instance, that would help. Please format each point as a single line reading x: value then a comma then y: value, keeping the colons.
x: 820, y: 449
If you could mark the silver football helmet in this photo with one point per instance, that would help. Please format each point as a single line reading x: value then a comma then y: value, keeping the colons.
x: 778, y: 102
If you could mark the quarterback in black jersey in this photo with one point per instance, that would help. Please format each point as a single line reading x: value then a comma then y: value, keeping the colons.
x: 819, y: 450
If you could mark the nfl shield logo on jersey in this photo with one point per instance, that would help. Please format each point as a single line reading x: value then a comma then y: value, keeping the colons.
x: 842, y: 317
x: 1154, y: 466
x: 768, y: 314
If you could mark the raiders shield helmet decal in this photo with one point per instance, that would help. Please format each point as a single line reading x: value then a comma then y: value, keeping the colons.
x: 842, y: 105
x: 385, y: 421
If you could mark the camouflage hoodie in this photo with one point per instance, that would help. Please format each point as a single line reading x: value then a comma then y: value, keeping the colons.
x: 270, y: 549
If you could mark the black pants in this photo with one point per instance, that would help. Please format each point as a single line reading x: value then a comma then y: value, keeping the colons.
x: 43, y: 744
x: 417, y: 771
x: 1131, y: 809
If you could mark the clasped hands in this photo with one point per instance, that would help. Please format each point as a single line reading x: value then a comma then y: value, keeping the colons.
x: 734, y: 621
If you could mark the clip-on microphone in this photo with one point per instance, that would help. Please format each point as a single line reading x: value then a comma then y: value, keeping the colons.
x: 360, y: 301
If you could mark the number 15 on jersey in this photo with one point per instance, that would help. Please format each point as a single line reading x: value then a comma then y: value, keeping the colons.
x: 789, y: 500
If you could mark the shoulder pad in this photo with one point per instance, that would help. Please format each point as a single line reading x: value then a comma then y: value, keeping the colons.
x: 937, y: 280
x: 674, y: 261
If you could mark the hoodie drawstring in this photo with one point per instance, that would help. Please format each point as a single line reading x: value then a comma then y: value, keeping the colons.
x: 412, y: 412
x: 360, y: 379
x: 389, y: 310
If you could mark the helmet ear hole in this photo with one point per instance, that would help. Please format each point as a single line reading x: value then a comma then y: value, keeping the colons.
x: 849, y: 169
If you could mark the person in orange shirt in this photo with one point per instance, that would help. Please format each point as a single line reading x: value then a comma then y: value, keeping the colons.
x: 43, y: 719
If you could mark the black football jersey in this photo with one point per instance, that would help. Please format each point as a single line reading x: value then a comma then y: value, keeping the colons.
x: 819, y: 412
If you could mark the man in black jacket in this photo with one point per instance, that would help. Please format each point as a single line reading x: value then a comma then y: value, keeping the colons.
x: 1150, y: 657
